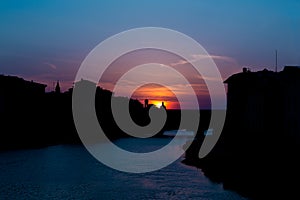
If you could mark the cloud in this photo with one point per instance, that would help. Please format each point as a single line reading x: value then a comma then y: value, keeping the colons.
x: 215, y: 57
x: 50, y: 65
x: 197, y: 57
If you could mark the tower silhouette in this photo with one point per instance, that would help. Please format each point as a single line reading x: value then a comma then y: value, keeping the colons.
x: 146, y: 103
x: 163, y: 105
x: 57, y: 88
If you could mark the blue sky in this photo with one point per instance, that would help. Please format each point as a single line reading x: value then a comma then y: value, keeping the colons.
x: 47, y: 40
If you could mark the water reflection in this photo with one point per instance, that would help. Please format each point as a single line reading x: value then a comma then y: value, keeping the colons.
x: 66, y: 172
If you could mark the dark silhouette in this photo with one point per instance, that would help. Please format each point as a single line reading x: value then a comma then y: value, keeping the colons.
x: 18, y: 119
x: 146, y: 103
x: 32, y: 118
x: 147, y: 106
x: 259, y: 146
x: 57, y: 88
x: 163, y: 105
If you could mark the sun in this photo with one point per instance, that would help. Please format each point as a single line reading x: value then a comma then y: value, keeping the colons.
x: 157, y: 95
x: 157, y: 103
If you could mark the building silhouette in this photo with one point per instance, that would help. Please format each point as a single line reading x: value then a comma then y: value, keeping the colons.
x: 260, y: 141
x: 265, y: 103
x: 13, y: 84
x: 15, y: 91
x: 22, y: 104
x: 147, y: 106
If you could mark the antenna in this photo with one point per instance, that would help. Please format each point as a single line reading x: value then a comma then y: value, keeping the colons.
x: 276, y: 60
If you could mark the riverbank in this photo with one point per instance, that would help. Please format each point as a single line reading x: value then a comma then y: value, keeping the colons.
x: 258, y: 172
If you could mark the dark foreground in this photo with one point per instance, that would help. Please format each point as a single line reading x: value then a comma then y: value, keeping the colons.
x: 258, y: 151
x: 257, y: 165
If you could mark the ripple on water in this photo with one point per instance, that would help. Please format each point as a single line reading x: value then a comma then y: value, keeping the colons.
x: 69, y: 172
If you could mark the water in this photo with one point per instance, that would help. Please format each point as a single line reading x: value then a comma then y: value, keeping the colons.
x: 69, y: 172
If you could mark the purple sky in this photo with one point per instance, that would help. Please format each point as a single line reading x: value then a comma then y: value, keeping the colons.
x: 46, y: 41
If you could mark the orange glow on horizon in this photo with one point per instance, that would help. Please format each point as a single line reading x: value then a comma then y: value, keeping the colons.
x: 158, y: 104
x: 156, y: 94
x: 168, y: 104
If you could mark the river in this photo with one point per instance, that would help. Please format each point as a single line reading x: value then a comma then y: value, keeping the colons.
x: 70, y: 172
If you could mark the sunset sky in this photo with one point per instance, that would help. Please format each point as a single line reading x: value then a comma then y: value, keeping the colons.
x: 46, y: 41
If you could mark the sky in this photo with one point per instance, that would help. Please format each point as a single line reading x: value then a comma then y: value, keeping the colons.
x: 46, y: 41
